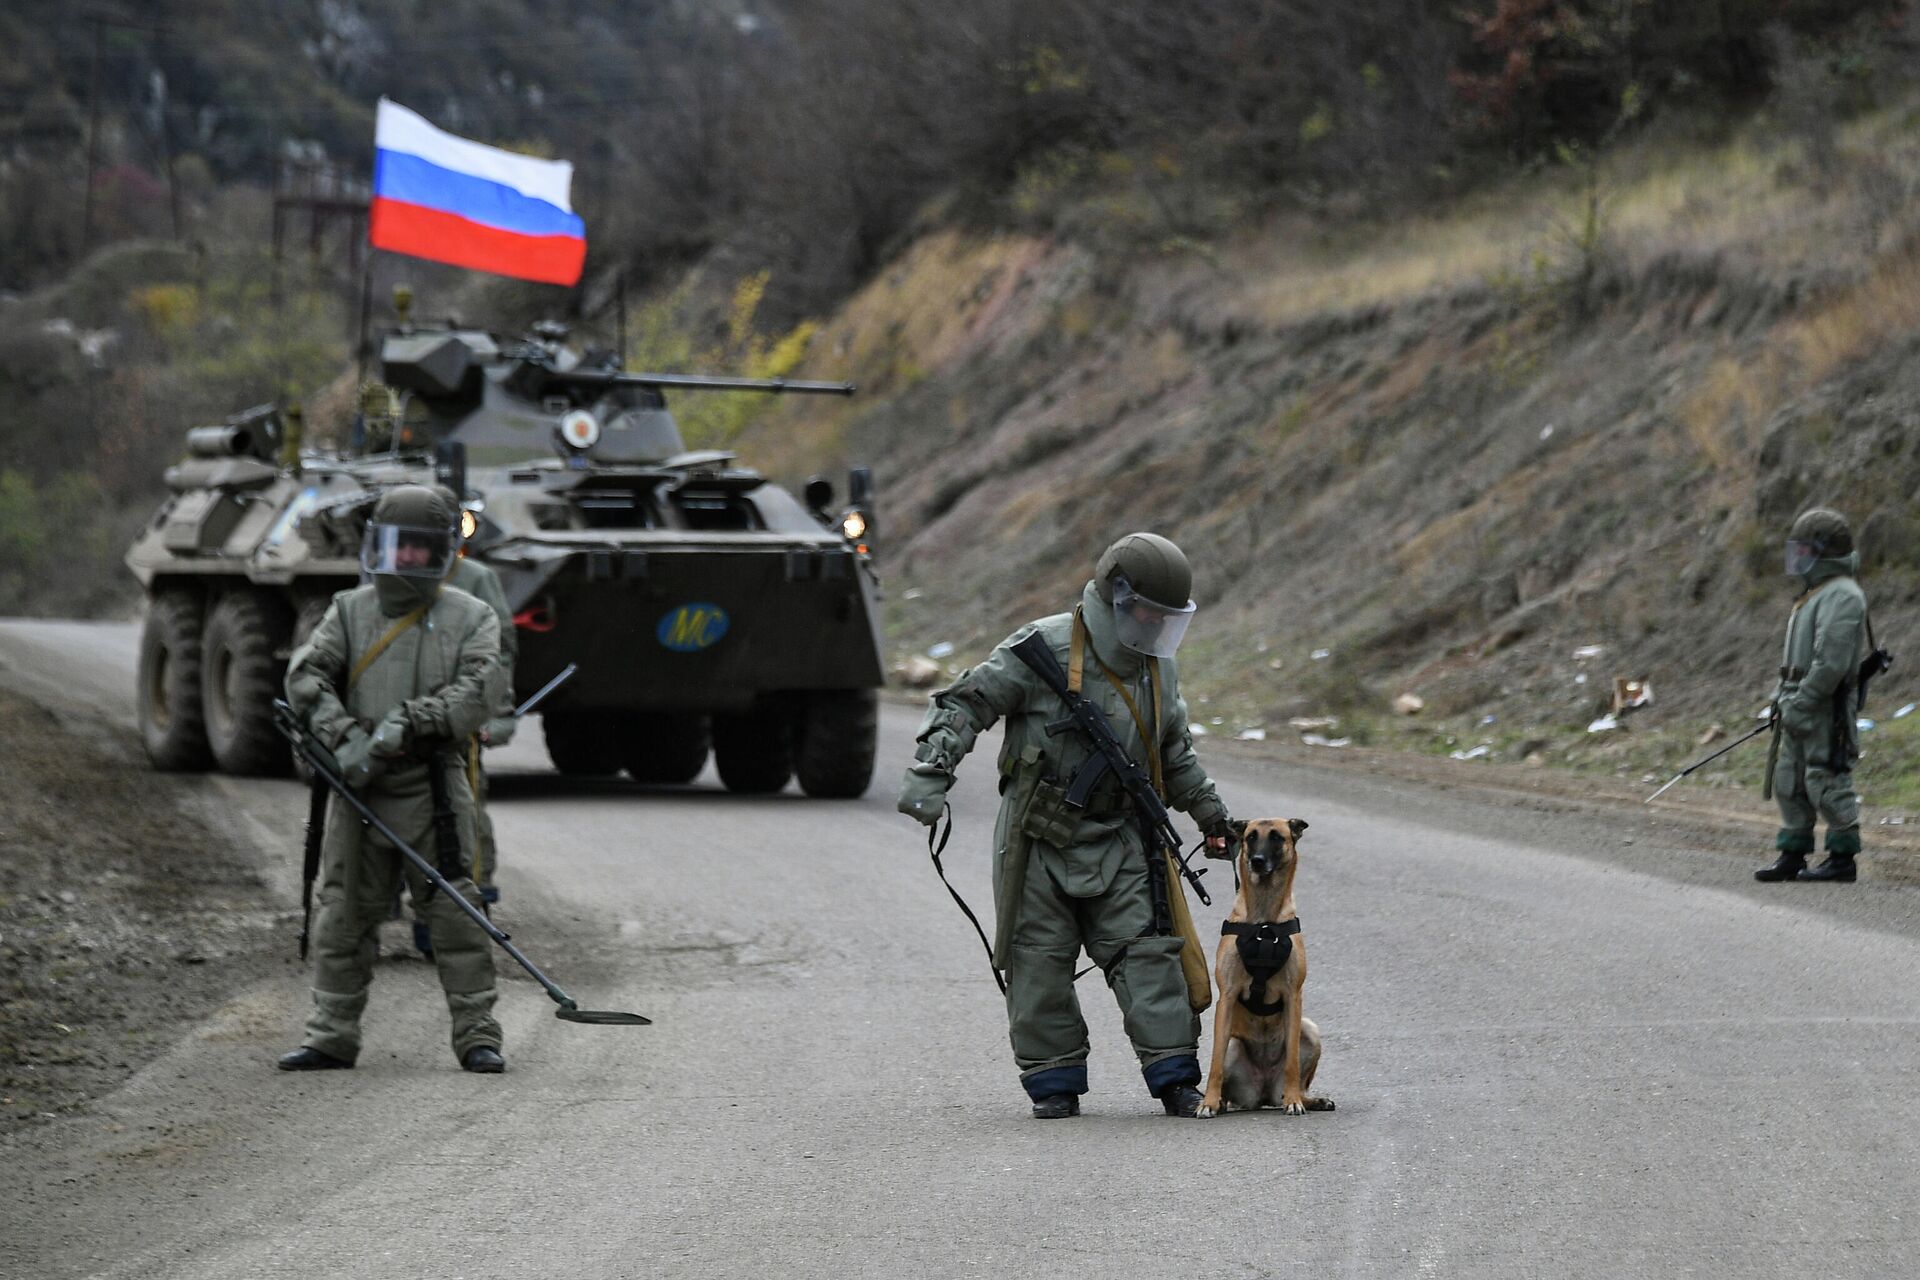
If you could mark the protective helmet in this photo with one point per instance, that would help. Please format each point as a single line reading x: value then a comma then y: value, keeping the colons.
x: 1818, y: 534
x: 1148, y: 582
x: 413, y: 533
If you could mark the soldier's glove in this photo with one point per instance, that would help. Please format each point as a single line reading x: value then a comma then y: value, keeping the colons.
x: 923, y: 794
x: 499, y: 731
x: 358, y: 765
x: 1798, y: 721
x: 390, y: 735
x: 1209, y: 812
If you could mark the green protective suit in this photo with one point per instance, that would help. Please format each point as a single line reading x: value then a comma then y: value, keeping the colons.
x: 444, y: 673
x: 1090, y: 888
x: 483, y: 584
x: 1813, y: 775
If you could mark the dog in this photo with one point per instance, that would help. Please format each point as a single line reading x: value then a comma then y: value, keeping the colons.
x: 1265, y: 1052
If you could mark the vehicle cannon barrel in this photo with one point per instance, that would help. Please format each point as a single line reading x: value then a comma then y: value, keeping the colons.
x: 705, y: 382
x: 229, y: 440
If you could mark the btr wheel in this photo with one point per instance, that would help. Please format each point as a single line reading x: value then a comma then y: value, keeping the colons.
x: 244, y: 668
x: 665, y: 748
x: 835, y: 743
x: 582, y: 744
x: 754, y: 753
x: 173, y: 727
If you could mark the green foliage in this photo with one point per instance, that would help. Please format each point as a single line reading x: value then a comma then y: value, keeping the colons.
x: 661, y: 341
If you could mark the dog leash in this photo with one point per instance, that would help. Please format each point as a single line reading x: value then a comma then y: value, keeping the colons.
x: 934, y: 851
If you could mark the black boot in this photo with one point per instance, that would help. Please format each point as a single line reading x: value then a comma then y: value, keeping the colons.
x: 307, y: 1059
x: 1786, y: 867
x: 484, y: 1059
x: 1837, y: 869
x: 1181, y: 1100
x: 1058, y: 1107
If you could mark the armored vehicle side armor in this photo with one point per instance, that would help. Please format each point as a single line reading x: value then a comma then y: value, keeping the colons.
x: 709, y: 610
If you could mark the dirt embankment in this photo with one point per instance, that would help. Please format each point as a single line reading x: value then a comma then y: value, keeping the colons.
x: 122, y: 918
x: 1413, y: 460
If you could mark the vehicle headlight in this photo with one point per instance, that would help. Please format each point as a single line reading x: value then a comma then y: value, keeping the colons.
x: 854, y: 525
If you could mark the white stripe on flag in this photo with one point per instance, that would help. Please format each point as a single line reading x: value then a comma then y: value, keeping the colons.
x: 398, y: 129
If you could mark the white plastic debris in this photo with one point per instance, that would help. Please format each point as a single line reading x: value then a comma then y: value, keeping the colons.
x: 1863, y: 724
x: 912, y: 593
x: 1322, y: 740
x: 1586, y: 651
x: 1546, y: 432
x: 1318, y: 654
x: 1603, y: 724
x: 1197, y: 730
x: 1218, y: 720
x: 1252, y: 735
x: 1474, y: 753
x: 1488, y: 719
x: 1581, y: 678
x: 1314, y: 722
x: 942, y: 650
x: 1905, y: 711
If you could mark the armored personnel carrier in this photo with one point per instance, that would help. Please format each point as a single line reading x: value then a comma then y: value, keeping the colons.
x: 708, y: 610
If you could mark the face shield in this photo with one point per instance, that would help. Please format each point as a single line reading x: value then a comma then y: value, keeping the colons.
x: 1801, y: 556
x: 1146, y: 627
x: 407, y: 551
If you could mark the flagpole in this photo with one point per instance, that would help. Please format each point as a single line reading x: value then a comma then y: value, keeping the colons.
x: 366, y: 306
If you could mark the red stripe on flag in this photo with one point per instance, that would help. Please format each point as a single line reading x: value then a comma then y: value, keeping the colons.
x: 444, y: 237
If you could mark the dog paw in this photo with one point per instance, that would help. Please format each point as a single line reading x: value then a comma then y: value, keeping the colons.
x: 1320, y: 1104
x: 1293, y: 1108
x: 1205, y: 1112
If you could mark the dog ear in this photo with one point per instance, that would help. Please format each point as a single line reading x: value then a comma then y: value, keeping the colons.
x: 1298, y: 825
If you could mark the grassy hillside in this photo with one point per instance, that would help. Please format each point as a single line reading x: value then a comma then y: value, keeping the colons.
x: 1448, y: 453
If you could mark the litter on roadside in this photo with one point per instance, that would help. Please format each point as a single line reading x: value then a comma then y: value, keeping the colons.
x: 1863, y: 724
x: 1905, y: 711
x: 1589, y: 651
x: 1631, y: 694
x: 1604, y: 724
x: 1196, y: 729
x: 1315, y: 722
x: 1318, y: 654
x: 942, y: 650
x: 912, y: 593
x: 1475, y: 753
x: 1322, y: 740
x: 1252, y: 735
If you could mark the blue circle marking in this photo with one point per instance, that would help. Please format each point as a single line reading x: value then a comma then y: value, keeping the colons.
x: 692, y: 627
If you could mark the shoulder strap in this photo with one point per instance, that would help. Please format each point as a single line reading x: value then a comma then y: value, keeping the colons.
x: 1077, y: 652
x: 1147, y: 739
x: 381, y: 645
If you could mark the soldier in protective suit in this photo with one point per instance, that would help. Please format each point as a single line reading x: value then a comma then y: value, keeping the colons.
x: 396, y: 679
x: 1063, y: 879
x: 1815, y: 741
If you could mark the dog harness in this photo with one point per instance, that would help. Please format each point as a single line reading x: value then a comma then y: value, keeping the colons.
x: 1264, y: 949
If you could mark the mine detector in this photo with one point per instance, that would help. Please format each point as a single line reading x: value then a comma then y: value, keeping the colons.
x: 708, y: 610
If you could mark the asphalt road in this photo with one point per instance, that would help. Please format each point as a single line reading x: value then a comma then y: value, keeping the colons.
x: 1548, y: 1059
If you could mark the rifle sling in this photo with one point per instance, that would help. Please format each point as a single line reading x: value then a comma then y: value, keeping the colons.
x: 400, y: 627
x: 1075, y: 665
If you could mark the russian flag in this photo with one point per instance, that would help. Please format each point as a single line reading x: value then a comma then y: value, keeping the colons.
x: 450, y: 200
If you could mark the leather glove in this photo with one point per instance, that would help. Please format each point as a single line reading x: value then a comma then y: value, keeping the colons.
x: 1217, y: 824
x: 923, y: 794
x: 390, y: 735
x: 358, y: 765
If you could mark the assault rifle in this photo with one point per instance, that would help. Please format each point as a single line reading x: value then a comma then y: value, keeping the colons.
x: 1156, y: 824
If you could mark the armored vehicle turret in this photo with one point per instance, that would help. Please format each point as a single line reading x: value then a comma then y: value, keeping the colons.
x: 708, y: 610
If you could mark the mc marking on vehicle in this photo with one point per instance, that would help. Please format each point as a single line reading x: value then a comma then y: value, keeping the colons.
x: 692, y: 627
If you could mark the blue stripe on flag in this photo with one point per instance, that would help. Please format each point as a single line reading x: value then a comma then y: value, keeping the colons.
x: 408, y: 178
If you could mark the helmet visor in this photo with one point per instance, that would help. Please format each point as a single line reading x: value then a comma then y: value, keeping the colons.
x: 1146, y: 627
x: 408, y: 551
x: 1801, y: 556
